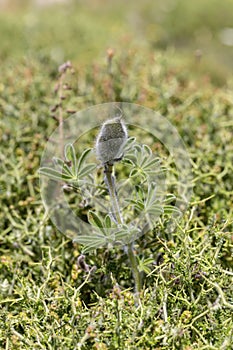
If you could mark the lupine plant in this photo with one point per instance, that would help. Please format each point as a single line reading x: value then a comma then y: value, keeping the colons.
x: 122, y: 220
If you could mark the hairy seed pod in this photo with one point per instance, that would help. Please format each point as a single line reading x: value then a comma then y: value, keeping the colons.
x: 111, y: 140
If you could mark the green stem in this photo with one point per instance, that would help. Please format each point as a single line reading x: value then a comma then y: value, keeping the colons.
x: 134, y: 265
x: 110, y: 181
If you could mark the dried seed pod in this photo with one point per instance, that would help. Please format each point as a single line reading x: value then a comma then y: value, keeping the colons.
x: 111, y: 140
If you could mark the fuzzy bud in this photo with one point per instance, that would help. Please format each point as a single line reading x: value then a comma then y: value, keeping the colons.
x: 111, y: 140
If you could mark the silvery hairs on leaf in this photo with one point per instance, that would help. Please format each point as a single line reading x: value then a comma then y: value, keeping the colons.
x: 111, y: 140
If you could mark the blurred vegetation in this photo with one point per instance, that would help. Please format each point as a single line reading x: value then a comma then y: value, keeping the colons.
x: 47, y: 300
x: 79, y: 30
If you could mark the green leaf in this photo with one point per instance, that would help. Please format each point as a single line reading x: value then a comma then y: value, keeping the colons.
x: 169, y: 209
x: 71, y: 156
x: 68, y: 171
x: 137, y: 204
x: 87, y: 240
x: 154, y: 162
x: 140, y: 193
x: 59, y: 162
x: 169, y: 198
x: 107, y: 222
x: 147, y: 149
x: 126, y: 233
x: 143, y: 264
x: 155, y: 209
x: 93, y: 246
x: 94, y: 219
x: 82, y: 159
x: 87, y: 169
x: 129, y: 144
x: 148, y: 261
x: 133, y: 172
x: 54, y: 174
x: 121, y: 235
x: 151, y: 194
x: 142, y: 162
x: 63, y: 167
x: 91, y: 242
x: 146, y: 269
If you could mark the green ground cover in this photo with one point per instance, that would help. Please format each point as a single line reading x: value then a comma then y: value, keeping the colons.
x: 47, y: 301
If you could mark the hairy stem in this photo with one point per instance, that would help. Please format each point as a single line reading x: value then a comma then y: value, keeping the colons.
x: 134, y: 265
x: 110, y: 181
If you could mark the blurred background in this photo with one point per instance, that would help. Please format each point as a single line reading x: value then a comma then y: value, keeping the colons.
x: 53, y: 31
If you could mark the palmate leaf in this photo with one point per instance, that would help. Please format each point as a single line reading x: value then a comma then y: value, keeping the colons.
x: 137, y: 204
x: 147, y: 203
x: 101, y: 232
x: 143, y: 264
x: 142, y: 162
x: 101, y: 225
x: 63, y: 167
x: 70, y: 169
x: 66, y: 169
x: 104, y: 231
x: 127, y: 233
